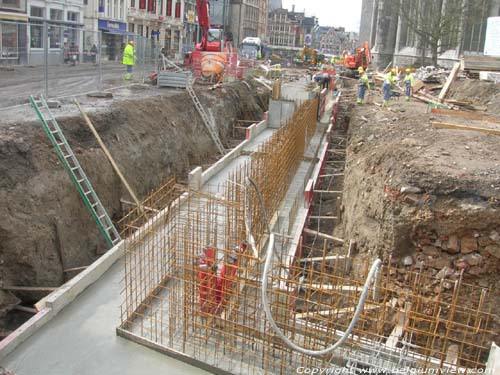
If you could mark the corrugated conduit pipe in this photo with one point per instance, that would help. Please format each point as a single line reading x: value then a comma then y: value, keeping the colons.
x: 374, y: 273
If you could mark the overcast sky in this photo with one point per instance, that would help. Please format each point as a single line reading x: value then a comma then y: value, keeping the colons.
x: 346, y: 13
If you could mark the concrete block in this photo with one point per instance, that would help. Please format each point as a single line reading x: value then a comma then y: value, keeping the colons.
x: 279, y: 112
x: 222, y: 163
x: 194, y: 178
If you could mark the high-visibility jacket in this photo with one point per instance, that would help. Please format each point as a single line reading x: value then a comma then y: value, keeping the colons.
x: 128, y: 55
x: 410, y: 79
x: 333, y: 60
x: 390, y: 79
x: 363, y: 81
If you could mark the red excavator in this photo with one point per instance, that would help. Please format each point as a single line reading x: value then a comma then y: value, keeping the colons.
x: 362, y: 58
x: 211, y: 39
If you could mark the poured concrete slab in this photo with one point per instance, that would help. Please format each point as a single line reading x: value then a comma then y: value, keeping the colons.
x: 82, y: 340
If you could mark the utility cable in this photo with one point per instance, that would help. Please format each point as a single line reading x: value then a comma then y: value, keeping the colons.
x: 266, y: 305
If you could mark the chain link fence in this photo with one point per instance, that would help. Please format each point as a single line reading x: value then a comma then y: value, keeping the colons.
x: 42, y: 57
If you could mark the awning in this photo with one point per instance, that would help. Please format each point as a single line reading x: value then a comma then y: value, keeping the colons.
x: 13, y: 17
x: 117, y: 32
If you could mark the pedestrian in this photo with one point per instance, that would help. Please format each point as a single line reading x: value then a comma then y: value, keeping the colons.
x: 129, y: 59
x: 409, y: 83
x: 389, y: 82
x: 93, y: 53
x: 363, y: 85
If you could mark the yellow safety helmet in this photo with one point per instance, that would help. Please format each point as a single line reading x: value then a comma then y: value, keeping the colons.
x: 408, y: 70
x: 131, y: 42
x: 394, y: 71
x: 360, y: 69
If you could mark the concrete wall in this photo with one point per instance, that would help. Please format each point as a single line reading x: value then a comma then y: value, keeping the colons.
x: 279, y: 112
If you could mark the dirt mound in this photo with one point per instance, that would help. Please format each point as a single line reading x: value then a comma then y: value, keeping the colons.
x: 480, y: 93
x: 423, y: 198
x: 47, y: 227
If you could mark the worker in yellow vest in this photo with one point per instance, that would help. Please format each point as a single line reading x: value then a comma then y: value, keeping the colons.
x: 363, y: 85
x: 129, y: 59
x: 389, y: 83
x: 409, y: 83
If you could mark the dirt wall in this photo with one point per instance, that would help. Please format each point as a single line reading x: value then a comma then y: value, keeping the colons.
x: 423, y: 198
x: 46, y: 227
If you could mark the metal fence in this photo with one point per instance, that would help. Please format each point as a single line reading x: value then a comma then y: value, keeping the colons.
x: 63, y: 60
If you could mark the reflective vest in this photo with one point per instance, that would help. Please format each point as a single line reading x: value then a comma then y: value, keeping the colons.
x: 409, y: 80
x: 128, y: 55
x: 363, y: 81
x: 389, y: 78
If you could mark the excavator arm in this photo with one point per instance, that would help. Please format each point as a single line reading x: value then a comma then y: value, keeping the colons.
x: 202, y: 8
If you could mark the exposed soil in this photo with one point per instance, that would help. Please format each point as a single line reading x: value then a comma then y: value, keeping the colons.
x: 424, y: 198
x: 46, y: 227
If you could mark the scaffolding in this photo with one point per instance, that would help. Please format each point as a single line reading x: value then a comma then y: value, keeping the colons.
x: 192, y: 285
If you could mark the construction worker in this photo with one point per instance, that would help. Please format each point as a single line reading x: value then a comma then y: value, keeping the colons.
x: 129, y: 59
x: 409, y: 83
x: 363, y: 85
x: 332, y: 60
x: 389, y: 82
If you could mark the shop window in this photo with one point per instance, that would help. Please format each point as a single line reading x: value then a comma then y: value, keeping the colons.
x: 55, y: 37
x: 73, y: 16
x: 131, y: 27
x: 132, y: 3
x: 19, y: 5
x: 56, y: 14
x: 8, y: 41
x: 36, y: 35
x: 37, y: 12
x: 178, y: 9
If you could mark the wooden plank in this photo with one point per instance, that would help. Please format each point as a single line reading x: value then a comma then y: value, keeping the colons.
x: 464, y: 114
x: 323, y: 235
x: 108, y: 155
x: 418, y: 85
x: 334, y: 312
x: 25, y: 309
x: 445, y: 125
x: 320, y: 259
x: 449, y: 81
x: 29, y: 288
x: 328, y: 191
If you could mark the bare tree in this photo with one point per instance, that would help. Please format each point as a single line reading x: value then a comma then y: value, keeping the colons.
x: 437, y: 23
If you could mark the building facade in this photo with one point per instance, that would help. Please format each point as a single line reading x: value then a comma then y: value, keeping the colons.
x: 13, y: 31
x: 393, y: 38
x: 281, y: 30
x: 65, y: 23
x: 160, y: 20
x: 248, y: 18
x: 335, y: 40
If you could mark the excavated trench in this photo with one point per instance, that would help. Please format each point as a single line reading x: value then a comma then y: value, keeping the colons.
x: 47, y: 229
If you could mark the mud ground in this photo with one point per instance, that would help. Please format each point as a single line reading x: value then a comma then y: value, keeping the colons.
x: 151, y: 133
x: 422, y: 198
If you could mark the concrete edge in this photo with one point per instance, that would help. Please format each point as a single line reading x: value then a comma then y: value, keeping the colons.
x: 255, y: 129
x: 53, y: 303
x: 11, y: 342
x: 222, y: 163
x: 170, y: 352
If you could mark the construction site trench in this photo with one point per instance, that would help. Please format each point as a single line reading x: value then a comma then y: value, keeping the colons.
x: 424, y: 200
x: 47, y: 235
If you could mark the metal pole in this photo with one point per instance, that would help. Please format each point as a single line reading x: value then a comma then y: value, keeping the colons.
x: 99, y: 56
x: 46, y: 57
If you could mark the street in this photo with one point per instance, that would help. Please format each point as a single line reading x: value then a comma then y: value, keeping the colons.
x: 17, y: 85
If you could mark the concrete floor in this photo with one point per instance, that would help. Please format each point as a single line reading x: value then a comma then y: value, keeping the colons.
x: 82, y: 340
